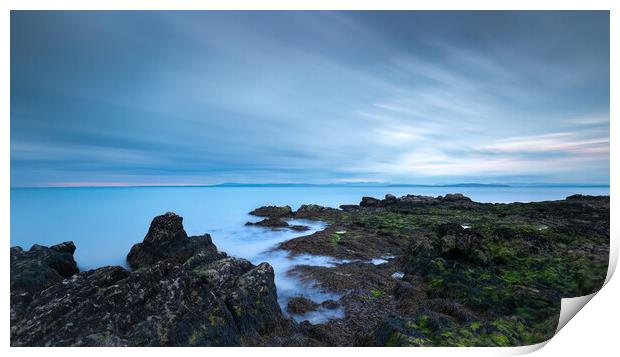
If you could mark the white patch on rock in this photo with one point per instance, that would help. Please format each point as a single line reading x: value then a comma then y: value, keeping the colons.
x: 398, y: 275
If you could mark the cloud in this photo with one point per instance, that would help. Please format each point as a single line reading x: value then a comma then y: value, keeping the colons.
x: 207, y: 97
x: 569, y: 142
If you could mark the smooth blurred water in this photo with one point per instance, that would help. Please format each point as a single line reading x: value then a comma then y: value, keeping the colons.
x: 105, y: 222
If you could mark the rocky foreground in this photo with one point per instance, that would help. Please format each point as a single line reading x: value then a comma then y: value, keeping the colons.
x: 413, y: 271
x: 182, y: 292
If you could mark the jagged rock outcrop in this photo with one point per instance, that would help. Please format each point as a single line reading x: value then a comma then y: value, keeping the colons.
x: 166, y: 240
x: 184, y: 293
x: 273, y: 211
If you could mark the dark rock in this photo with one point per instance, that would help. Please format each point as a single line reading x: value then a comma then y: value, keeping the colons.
x: 330, y: 304
x: 390, y: 199
x: 418, y: 200
x: 450, y: 228
x: 409, y: 203
x: 272, y: 222
x: 505, y: 233
x: 392, y: 332
x: 300, y: 305
x: 534, y: 239
x: 588, y: 198
x: 352, y: 244
x: 273, y: 211
x: 317, y: 332
x: 167, y: 240
x: 405, y: 331
x: 269, y: 222
x: 370, y: 202
x: 227, y: 302
x: 453, y: 309
x: 299, y: 228
x: 248, y: 291
x: 456, y: 242
x: 298, y: 339
x: 254, y: 303
x: 41, y: 267
x: 408, y: 296
x: 455, y: 197
x: 163, y: 305
x: 314, y: 211
x: 431, y: 254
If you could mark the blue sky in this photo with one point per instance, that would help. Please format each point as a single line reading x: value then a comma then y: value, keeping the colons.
x: 116, y: 98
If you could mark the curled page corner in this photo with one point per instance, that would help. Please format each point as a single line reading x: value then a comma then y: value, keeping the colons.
x: 570, y: 307
x: 522, y: 350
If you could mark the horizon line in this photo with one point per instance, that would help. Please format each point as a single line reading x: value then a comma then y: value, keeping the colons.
x: 343, y: 184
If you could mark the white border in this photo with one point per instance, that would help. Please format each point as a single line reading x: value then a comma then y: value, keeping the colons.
x: 593, y: 330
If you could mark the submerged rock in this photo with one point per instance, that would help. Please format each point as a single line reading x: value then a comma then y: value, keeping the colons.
x: 269, y: 222
x: 299, y: 228
x: 278, y: 223
x: 273, y: 211
x: 300, y: 305
x: 167, y: 240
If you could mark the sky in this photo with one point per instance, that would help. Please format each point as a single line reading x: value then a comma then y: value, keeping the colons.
x: 416, y: 97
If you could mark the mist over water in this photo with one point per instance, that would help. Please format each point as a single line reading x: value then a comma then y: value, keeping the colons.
x: 105, y: 222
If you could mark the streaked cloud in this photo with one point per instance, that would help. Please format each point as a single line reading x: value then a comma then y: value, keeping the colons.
x: 209, y: 97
